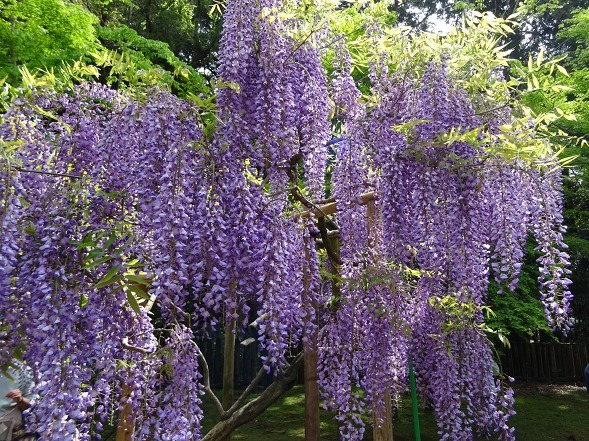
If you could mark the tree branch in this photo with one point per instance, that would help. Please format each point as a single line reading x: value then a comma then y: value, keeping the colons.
x: 40, y: 172
x: 125, y: 344
x: 283, y: 383
x: 250, y: 388
x: 326, y: 242
x: 207, y: 384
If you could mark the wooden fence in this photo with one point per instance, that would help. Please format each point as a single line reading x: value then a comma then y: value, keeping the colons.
x: 247, y: 361
x: 551, y: 362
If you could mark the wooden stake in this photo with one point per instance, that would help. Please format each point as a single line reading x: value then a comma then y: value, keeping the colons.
x: 229, y: 357
x: 126, y: 424
x: 331, y: 207
x: 383, y: 416
x: 311, y: 358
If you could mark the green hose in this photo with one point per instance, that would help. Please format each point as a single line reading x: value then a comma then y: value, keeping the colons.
x: 414, y: 401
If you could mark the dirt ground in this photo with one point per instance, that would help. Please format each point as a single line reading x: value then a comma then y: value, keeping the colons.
x: 530, y: 388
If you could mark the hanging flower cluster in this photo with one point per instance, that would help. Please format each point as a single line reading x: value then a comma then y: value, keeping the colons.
x: 273, y: 117
x: 100, y: 182
x: 113, y: 203
x: 446, y: 214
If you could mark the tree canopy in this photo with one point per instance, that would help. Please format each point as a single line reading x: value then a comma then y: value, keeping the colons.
x: 43, y: 33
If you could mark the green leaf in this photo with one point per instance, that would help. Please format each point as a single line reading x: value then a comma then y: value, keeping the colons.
x: 380, y: 311
x: 134, y: 263
x: 137, y: 290
x: 133, y: 302
x: 137, y: 279
x: 110, y: 281
x: 98, y: 261
x: 110, y: 240
x: 504, y: 340
x: 540, y: 58
x: 562, y: 70
x: 95, y: 253
x: 83, y: 300
x: 109, y: 275
x: 83, y: 245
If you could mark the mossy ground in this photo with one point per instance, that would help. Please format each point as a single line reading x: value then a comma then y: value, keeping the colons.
x: 544, y: 413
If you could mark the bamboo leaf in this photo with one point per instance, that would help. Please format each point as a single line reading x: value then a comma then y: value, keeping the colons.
x: 110, y: 281
x: 562, y: 70
x: 136, y: 289
x: 137, y: 279
x: 98, y: 261
x: 540, y: 58
x: 109, y: 275
x: 110, y: 240
x: 133, y: 302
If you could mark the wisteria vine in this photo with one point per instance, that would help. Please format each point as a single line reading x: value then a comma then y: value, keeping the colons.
x: 113, y: 203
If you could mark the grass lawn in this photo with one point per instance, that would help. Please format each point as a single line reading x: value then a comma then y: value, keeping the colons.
x: 544, y: 413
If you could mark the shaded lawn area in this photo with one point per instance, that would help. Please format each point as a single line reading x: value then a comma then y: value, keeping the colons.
x: 544, y: 413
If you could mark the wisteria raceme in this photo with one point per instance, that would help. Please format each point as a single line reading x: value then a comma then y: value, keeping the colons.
x: 275, y: 129
x: 350, y: 177
x: 177, y: 414
x: 279, y: 113
x: 10, y: 309
x: 238, y: 64
x: 129, y: 193
x: 548, y: 227
x: 441, y: 232
x: 363, y: 344
x: 313, y: 114
x: 508, y: 247
x: 281, y: 310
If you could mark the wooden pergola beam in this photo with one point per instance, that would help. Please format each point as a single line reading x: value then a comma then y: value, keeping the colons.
x: 331, y: 207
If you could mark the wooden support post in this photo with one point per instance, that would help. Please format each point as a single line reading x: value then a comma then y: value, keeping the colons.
x: 312, y: 411
x: 382, y: 415
x: 383, y: 418
x: 331, y: 207
x: 126, y: 424
x: 311, y: 358
x: 229, y: 356
x: 335, y: 270
x: 228, y: 365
